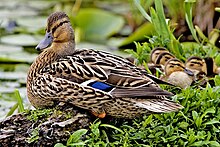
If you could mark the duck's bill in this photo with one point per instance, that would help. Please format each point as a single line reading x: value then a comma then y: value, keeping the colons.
x: 46, y: 42
x: 189, y: 72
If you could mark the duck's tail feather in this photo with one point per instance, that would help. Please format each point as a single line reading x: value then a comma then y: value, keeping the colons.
x: 158, y: 105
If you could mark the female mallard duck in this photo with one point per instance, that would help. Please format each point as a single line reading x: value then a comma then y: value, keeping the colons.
x: 177, y: 74
x: 93, y: 80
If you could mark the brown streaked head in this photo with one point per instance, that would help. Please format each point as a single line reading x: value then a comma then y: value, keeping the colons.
x: 195, y: 63
x: 58, y: 30
x: 174, y: 65
x: 163, y: 58
x: 155, y: 52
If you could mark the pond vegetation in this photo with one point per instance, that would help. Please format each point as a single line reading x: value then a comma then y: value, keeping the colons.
x: 114, y: 26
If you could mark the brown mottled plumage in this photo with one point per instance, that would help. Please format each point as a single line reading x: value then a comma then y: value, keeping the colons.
x: 100, y: 82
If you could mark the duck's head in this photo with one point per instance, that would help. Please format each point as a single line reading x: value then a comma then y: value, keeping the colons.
x: 163, y: 58
x: 210, y: 67
x: 58, y: 31
x: 195, y: 63
x: 156, y: 52
x: 175, y: 65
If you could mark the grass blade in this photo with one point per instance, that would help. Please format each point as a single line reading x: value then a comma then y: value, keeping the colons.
x: 20, y: 101
x: 113, y: 127
x: 141, y: 9
x: 12, y: 110
x: 188, y: 14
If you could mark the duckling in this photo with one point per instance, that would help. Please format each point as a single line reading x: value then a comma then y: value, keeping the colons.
x: 95, y: 81
x: 196, y: 65
x: 177, y: 74
x: 163, y: 58
x: 156, y: 52
x: 152, y: 66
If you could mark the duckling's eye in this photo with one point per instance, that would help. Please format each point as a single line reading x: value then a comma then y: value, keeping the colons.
x: 171, y: 66
x: 191, y: 65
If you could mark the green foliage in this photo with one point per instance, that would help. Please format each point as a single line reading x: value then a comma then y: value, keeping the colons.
x: 95, y: 24
x: 188, y: 15
x: 35, y: 115
x: 34, y: 136
x: 141, y: 54
x: 19, y: 105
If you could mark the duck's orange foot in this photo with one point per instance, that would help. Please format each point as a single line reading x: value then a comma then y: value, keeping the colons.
x: 99, y: 115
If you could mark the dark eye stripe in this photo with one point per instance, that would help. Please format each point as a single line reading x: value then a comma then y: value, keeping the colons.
x: 177, y: 64
x: 54, y: 28
x: 197, y: 63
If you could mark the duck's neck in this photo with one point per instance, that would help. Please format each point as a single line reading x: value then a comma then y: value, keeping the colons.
x: 50, y: 55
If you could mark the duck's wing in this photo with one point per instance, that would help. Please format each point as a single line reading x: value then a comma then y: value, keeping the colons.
x: 102, y: 69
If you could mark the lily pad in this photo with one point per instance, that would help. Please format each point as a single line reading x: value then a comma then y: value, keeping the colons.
x: 12, y: 75
x: 31, y: 24
x: 21, y: 39
x: 96, y: 24
x: 10, y: 48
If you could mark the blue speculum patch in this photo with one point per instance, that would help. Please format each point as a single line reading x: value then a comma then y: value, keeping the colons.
x: 101, y: 86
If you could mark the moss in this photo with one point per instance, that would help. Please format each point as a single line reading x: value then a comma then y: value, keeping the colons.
x: 36, y: 114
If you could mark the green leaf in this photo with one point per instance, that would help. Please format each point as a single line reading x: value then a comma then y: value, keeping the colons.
x: 213, y: 121
x: 162, y: 20
x: 195, y: 115
x: 144, y: 30
x: 183, y: 125
x: 148, y: 120
x: 59, y: 145
x: 214, y: 143
x: 141, y: 9
x: 97, y: 24
x: 75, y: 137
x: 12, y: 110
x: 111, y: 126
x: 188, y: 14
x: 20, y: 101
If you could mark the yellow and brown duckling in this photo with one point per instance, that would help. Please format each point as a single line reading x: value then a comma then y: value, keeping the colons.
x: 163, y: 58
x: 158, y: 58
x: 156, y: 52
x: 196, y: 65
x: 98, y: 81
x: 177, y: 74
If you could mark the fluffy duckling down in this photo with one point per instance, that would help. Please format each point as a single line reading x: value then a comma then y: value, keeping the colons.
x: 197, y: 66
x: 177, y: 74
x: 159, y: 56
